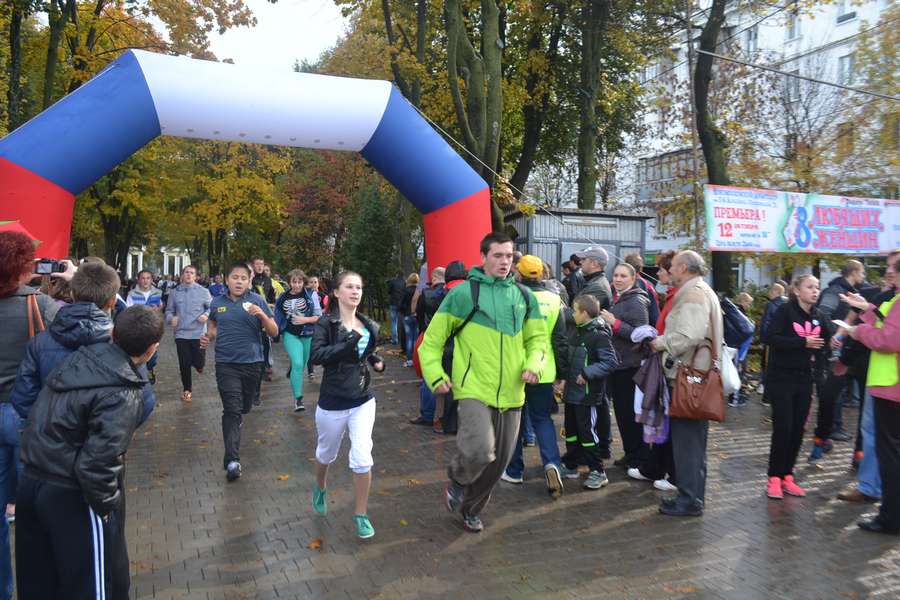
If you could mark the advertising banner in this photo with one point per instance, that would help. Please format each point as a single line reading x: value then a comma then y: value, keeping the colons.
x: 756, y: 220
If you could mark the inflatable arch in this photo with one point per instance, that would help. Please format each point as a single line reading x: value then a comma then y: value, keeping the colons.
x: 62, y: 151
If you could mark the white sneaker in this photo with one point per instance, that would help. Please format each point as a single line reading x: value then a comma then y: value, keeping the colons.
x: 635, y: 473
x: 663, y: 485
x: 510, y: 479
x: 761, y: 389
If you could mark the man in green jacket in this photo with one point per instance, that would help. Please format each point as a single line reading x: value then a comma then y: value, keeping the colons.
x: 500, y: 344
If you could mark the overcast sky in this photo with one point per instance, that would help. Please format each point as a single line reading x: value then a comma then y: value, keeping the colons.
x: 286, y: 31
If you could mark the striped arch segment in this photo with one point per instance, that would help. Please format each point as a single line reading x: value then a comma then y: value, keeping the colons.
x: 141, y: 95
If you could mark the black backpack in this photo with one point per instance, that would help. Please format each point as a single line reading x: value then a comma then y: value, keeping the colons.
x: 738, y: 326
x: 475, y: 286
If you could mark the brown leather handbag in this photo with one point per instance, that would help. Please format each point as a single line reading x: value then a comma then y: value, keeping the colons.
x: 699, y: 394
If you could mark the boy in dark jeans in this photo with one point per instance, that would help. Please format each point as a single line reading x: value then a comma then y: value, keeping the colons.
x: 238, y: 319
x: 73, y: 447
x: 590, y: 361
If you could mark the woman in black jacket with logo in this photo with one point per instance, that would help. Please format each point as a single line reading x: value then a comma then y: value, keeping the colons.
x: 343, y: 342
x: 796, y: 337
x: 630, y: 309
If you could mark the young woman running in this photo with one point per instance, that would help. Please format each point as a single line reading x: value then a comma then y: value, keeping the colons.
x: 296, y: 312
x: 796, y: 336
x: 343, y: 342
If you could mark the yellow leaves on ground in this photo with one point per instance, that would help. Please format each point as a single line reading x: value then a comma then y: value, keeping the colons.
x: 283, y: 477
x: 316, y: 544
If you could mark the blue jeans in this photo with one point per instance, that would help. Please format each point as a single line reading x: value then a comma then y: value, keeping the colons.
x: 527, y: 429
x: 411, y: 327
x: 427, y: 402
x: 539, y: 400
x: 394, y: 319
x: 10, y: 469
x: 869, y: 475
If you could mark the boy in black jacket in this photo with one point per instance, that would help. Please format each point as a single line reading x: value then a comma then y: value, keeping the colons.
x: 72, y: 448
x: 590, y: 361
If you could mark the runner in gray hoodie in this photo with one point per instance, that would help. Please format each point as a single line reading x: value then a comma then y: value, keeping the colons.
x: 188, y: 311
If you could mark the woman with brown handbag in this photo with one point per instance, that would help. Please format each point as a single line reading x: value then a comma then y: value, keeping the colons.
x: 23, y: 312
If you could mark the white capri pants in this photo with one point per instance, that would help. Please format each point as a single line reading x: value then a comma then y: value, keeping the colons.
x: 331, y: 426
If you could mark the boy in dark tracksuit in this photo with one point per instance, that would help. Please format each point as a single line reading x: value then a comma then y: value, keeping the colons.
x: 591, y: 359
x: 70, y: 493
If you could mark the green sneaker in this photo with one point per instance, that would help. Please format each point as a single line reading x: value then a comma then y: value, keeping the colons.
x: 364, y: 527
x: 318, y: 500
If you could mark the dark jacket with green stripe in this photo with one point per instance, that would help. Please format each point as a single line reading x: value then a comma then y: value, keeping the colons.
x: 591, y: 355
x: 491, y: 352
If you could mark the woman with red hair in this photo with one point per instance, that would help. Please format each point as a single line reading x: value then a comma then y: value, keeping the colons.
x: 16, y: 269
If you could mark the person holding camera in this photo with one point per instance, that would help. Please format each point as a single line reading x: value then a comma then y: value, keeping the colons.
x: 23, y: 312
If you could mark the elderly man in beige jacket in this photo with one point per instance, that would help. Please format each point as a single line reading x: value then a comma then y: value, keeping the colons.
x: 695, y: 316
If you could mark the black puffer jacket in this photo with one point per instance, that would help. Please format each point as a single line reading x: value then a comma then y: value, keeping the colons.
x: 346, y: 373
x: 597, y: 285
x: 82, y: 423
x: 591, y: 355
x: 631, y: 310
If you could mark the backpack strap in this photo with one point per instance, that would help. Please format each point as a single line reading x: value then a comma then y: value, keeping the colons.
x: 475, y: 288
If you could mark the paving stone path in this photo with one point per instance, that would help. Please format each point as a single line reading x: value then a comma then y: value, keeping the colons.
x: 192, y: 535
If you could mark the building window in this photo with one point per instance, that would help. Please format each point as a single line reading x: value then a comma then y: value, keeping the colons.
x: 793, y: 24
x: 792, y: 86
x: 846, y: 68
x: 845, y: 140
x: 752, y: 39
x: 845, y: 11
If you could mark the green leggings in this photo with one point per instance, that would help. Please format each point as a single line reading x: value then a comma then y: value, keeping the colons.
x: 297, y: 347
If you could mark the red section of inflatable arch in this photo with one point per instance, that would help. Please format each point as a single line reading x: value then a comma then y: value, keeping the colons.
x: 455, y: 231
x: 46, y: 212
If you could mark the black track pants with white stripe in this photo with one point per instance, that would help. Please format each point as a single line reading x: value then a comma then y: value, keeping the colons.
x: 61, y: 546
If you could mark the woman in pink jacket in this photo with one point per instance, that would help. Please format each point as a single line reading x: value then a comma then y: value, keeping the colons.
x: 880, y: 332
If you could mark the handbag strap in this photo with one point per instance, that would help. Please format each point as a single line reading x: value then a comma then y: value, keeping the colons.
x: 714, y: 351
x: 34, y: 316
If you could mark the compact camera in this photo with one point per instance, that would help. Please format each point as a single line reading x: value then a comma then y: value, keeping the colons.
x: 45, y: 266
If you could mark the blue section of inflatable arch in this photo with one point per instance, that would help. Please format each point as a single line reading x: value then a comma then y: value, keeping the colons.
x: 87, y: 133
x: 417, y: 161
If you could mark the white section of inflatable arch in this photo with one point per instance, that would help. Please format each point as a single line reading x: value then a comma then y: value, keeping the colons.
x: 220, y: 101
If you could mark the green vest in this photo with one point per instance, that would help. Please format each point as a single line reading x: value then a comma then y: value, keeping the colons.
x: 883, y: 365
x: 549, y: 304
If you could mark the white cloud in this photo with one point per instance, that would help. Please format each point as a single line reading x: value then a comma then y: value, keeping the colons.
x: 286, y: 31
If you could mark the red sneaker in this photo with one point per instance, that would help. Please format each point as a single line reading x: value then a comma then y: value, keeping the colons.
x: 792, y: 488
x: 773, y: 488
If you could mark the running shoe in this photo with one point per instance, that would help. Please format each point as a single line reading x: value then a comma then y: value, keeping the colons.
x: 472, y: 524
x: 298, y: 405
x: 453, y: 497
x: 233, y: 471
x: 790, y: 487
x: 364, y: 527
x: 816, y: 454
x: 510, y: 479
x: 774, y: 489
x: 568, y: 473
x: 635, y: 473
x: 186, y: 396
x: 596, y: 480
x: 319, y: 500
x: 554, y: 481
x: 664, y: 485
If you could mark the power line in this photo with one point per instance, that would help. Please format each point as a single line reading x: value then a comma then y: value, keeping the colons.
x: 798, y: 76
x: 726, y: 40
x: 831, y: 45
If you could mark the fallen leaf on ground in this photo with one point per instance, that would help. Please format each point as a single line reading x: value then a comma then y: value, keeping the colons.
x: 283, y: 477
x: 413, y: 482
x: 316, y: 544
x: 404, y: 522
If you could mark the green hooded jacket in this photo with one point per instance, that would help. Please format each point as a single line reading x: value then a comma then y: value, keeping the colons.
x: 492, y: 351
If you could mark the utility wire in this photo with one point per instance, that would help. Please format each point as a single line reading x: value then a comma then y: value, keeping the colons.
x: 798, y: 76
x: 726, y: 40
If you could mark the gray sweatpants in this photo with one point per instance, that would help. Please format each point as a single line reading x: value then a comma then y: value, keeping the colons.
x: 485, y: 441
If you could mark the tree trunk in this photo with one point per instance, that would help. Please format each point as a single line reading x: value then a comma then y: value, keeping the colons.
x: 479, y: 115
x: 535, y: 110
x: 57, y: 17
x: 712, y: 139
x: 14, y: 92
x: 594, y: 21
